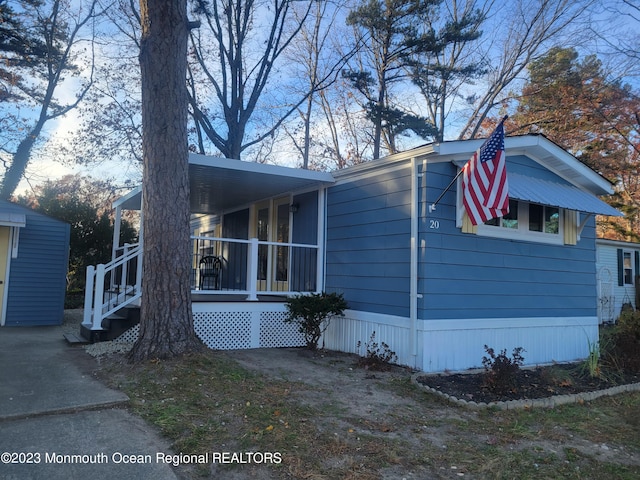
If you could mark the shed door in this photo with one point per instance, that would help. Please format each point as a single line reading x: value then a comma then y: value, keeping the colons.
x: 5, y: 237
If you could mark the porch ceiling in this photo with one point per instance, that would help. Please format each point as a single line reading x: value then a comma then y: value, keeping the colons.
x: 221, y: 184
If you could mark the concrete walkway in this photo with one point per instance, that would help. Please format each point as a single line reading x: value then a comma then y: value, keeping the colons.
x: 58, y: 422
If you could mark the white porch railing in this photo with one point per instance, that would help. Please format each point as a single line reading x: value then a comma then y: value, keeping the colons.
x: 246, y: 267
x: 253, y: 267
x: 112, y: 286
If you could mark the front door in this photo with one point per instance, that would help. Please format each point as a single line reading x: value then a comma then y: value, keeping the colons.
x: 5, y: 241
x: 280, y: 271
x: 262, y: 234
x: 272, y: 225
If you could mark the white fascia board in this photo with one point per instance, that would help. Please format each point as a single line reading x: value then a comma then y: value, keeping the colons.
x: 260, y: 168
x: 617, y: 243
x: 9, y: 219
x: 540, y: 149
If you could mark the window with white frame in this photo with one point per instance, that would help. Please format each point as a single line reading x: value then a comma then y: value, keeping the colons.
x: 530, y: 221
x: 627, y: 268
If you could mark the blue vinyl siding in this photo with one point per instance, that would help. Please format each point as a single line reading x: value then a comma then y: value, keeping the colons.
x: 471, y: 276
x: 525, y: 166
x: 368, y: 229
x: 460, y: 276
x: 37, y: 278
x: 305, y: 220
x: 235, y: 225
x: 303, y: 272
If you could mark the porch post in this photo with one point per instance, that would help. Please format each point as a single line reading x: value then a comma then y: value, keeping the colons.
x: 99, y: 298
x: 322, y: 212
x: 116, y: 232
x: 88, y: 296
x: 252, y: 270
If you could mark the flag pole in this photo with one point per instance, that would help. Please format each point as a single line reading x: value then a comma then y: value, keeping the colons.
x: 432, y: 207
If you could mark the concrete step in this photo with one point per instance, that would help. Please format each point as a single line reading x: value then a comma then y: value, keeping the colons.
x: 73, y: 339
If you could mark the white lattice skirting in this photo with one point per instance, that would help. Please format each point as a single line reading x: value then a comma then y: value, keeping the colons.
x: 237, y: 326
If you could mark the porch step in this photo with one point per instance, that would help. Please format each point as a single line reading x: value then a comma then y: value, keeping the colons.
x: 113, y: 326
x: 92, y: 336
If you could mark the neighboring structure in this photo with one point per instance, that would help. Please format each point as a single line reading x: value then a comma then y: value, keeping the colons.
x: 618, y: 268
x: 432, y: 286
x: 34, y: 257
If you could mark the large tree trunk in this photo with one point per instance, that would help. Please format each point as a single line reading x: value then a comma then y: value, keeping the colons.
x: 18, y: 166
x: 166, y: 324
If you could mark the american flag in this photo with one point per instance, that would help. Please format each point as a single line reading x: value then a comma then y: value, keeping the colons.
x: 485, y: 190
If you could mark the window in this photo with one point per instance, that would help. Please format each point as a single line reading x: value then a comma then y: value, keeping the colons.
x: 528, y: 221
x: 544, y: 219
x: 508, y: 221
x: 627, y: 266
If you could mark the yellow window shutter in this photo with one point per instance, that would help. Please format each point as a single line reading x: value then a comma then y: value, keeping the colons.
x: 570, y: 227
x: 467, y: 226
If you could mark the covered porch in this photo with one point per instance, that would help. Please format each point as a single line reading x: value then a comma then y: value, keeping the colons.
x: 257, y: 236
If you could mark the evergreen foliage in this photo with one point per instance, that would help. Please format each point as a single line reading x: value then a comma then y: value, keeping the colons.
x: 312, y: 313
x: 91, y: 232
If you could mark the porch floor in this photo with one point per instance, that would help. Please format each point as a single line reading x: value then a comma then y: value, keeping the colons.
x: 197, y: 297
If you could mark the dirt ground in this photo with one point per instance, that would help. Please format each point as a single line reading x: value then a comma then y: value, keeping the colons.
x: 362, y: 402
x: 429, y: 434
x: 365, y: 403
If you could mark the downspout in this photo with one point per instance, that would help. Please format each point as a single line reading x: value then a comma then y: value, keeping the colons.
x: 413, y: 274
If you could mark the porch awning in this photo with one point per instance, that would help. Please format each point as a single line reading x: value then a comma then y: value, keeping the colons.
x: 220, y: 184
x: 555, y: 194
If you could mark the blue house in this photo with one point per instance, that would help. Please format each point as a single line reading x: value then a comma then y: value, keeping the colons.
x: 431, y: 285
x: 34, y: 257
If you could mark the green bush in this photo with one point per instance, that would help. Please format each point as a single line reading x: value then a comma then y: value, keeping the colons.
x: 313, y: 314
x: 74, y: 299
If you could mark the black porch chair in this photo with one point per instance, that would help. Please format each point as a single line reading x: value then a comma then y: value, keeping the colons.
x: 210, y: 268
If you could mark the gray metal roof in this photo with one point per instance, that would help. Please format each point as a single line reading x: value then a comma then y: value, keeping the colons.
x: 220, y: 184
x: 555, y: 194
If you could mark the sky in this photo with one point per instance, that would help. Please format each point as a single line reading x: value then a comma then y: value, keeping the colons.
x: 42, y: 169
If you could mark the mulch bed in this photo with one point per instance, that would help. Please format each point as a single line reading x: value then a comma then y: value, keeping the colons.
x: 540, y: 382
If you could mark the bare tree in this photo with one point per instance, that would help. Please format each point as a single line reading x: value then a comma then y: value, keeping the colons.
x: 110, y: 125
x: 59, y: 26
x: 618, y: 37
x: 166, y: 323
x: 237, y: 54
x: 318, y: 53
x: 528, y: 27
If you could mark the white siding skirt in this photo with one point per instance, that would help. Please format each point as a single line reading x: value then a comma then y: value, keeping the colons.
x: 455, y: 345
x: 442, y: 345
x: 230, y: 326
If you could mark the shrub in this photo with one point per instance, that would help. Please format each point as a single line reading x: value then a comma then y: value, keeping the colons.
x: 313, y: 314
x: 501, y: 372
x: 378, y: 356
x: 626, y: 341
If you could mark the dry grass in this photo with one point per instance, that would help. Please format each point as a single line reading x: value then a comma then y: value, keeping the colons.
x: 208, y: 402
